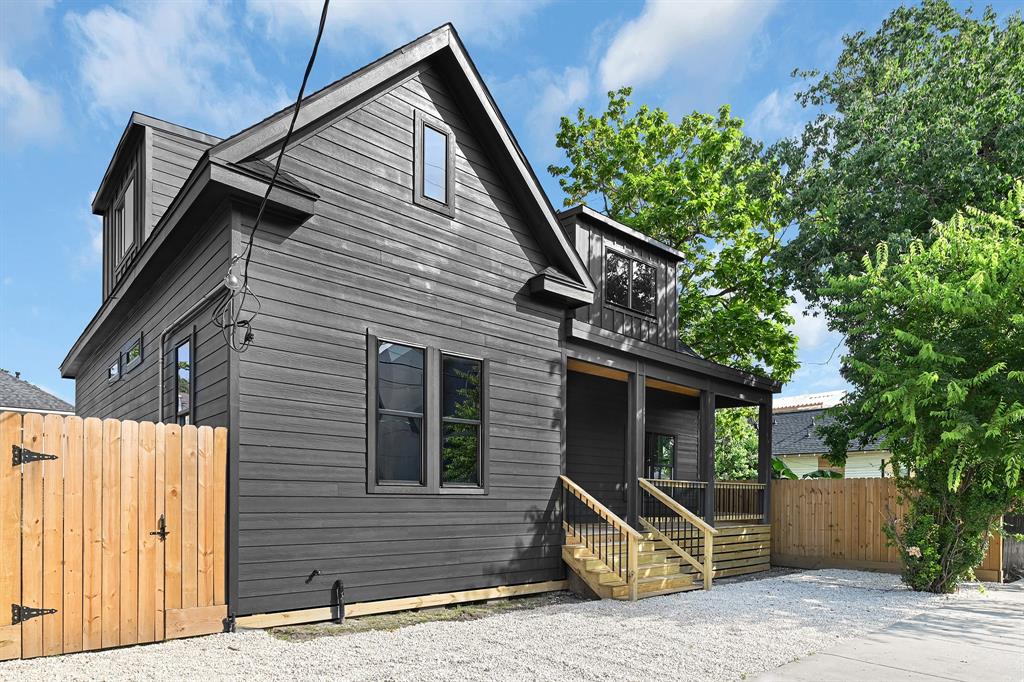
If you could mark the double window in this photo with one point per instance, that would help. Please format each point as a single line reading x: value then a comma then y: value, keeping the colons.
x: 427, y: 419
x: 434, y: 167
x: 630, y: 283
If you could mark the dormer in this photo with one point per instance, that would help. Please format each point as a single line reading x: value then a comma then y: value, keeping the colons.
x: 150, y: 164
x: 635, y: 276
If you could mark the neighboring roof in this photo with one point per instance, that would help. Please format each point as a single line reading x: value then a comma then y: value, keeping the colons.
x: 18, y: 394
x: 808, y: 401
x: 623, y: 230
x: 796, y: 433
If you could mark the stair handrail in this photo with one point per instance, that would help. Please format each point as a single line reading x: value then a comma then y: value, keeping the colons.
x: 706, y: 567
x: 627, y: 532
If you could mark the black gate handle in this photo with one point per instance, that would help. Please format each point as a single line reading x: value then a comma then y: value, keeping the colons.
x: 161, y: 531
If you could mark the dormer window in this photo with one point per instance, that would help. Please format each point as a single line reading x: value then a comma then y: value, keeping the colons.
x: 434, y: 175
x: 630, y: 283
x: 124, y: 220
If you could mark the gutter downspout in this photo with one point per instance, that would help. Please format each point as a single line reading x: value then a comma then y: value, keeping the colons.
x: 181, y: 319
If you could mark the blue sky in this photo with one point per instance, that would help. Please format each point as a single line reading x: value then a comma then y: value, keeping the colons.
x: 71, y: 74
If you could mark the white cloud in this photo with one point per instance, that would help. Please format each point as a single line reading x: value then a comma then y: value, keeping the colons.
x: 705, y: 39
x: 357, y: 26
x: 811, y: 330
x: 181, y: 61
x: 777, y: 115
x: 29, y: 111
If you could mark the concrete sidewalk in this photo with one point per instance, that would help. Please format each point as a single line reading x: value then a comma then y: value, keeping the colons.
x: 973, y: 640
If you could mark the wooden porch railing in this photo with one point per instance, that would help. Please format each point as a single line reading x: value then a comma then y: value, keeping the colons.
x: 611, y: 539
x: 734, y: 500
x: 681, y: 530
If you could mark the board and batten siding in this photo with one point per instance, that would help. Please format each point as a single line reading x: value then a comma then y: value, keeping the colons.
x: 200, y: 265
x: 371, y: 260
x: 593, y: 243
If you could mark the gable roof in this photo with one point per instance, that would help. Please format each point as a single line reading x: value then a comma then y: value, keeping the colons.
x: 443, y: 47
x: 796, y: 433
x: 16, y: 394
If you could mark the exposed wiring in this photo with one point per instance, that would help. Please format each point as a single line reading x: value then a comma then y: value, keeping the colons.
x: 234, y: 316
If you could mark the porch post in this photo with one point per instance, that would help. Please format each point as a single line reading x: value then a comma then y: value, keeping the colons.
x: 706, y: 443
x: 635, y: 432
x: 764, y: 455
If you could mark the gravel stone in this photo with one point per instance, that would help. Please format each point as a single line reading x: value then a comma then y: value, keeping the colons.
x: 734, y: 631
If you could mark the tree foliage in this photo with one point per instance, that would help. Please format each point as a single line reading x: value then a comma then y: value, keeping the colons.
x: 701, y: 186
x: 936, y: 359
x: 736, y: 444
x: 922, y: 118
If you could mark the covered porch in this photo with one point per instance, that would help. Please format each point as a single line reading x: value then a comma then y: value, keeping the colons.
x: 639, y: 459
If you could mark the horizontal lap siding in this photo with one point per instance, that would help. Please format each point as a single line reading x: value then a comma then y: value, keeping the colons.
x: 195, y: 272
x: 174, y: 157
x: 370, y: 258
x: 595, y: 435
x: 675, y: 415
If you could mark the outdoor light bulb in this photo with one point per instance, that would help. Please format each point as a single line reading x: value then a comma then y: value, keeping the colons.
x: 232, y: 281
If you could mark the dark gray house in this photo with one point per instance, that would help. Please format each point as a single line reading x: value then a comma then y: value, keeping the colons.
x: 450, y: 387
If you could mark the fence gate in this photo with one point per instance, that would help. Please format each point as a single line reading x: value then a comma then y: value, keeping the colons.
x: 111, y: 533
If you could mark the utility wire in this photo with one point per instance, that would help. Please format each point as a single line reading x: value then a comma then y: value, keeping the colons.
x: 230, y: 315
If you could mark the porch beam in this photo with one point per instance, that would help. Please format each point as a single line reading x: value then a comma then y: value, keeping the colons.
x: 706, y: 446
x: 764, y: 455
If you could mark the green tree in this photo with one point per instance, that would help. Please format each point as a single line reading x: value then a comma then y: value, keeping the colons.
x: 736, y: 444
x: 936, y: 359
x: 704, y: 188
x: 921, y: 118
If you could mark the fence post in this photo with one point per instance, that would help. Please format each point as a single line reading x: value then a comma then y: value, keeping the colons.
x: 632, y: 570
x: 764, y: 457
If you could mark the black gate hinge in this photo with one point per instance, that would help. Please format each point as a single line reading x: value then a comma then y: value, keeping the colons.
x: 23, y: 456
x: 19, y: 613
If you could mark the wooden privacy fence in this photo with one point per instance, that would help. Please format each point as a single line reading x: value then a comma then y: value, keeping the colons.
x: 111, y: 533
x: 838, y: 523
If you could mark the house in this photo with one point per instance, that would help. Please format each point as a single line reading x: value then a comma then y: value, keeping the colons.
x: 797, y: 441
x: 18, y: 395
x: 450, y: 385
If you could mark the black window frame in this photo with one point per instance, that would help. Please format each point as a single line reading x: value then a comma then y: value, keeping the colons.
x: 631, y: 278
x: 432, y: 422
x: 422, y: 416
x: 421, y: 121
x: 127, y: 364
x: 190, y: 413
x: 479, y: 423
x: 117, y: 375
x: 649, y: 446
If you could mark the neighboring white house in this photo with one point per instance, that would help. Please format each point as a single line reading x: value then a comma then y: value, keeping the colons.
x: 18, y: 395
x: 797, y: 442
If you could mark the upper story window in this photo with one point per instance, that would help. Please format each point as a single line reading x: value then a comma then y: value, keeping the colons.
x: 114, y: 371
x: 630, y: 283
x: 124, y: 220
x: 434, y: 171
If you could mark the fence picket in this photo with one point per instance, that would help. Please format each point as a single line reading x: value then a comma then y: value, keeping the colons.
x: 10, y: 537
x: 32, y: 538
x: 92, y: 536
x: 73, y: 533
x: 111, y: 560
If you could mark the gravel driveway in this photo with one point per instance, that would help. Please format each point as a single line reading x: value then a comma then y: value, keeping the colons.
x: 733, y: 631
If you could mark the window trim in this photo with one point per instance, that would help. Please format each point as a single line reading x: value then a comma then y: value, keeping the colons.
x: 421, y: 121
x: 115, y: 363
x: 123, y: 248
x: 432, y: 420
x: 633, y: 261
x: 129, y: 365
x: 483, y: 478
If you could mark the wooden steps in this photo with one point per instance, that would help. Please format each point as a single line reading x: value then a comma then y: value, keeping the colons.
x: 657, y: 573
